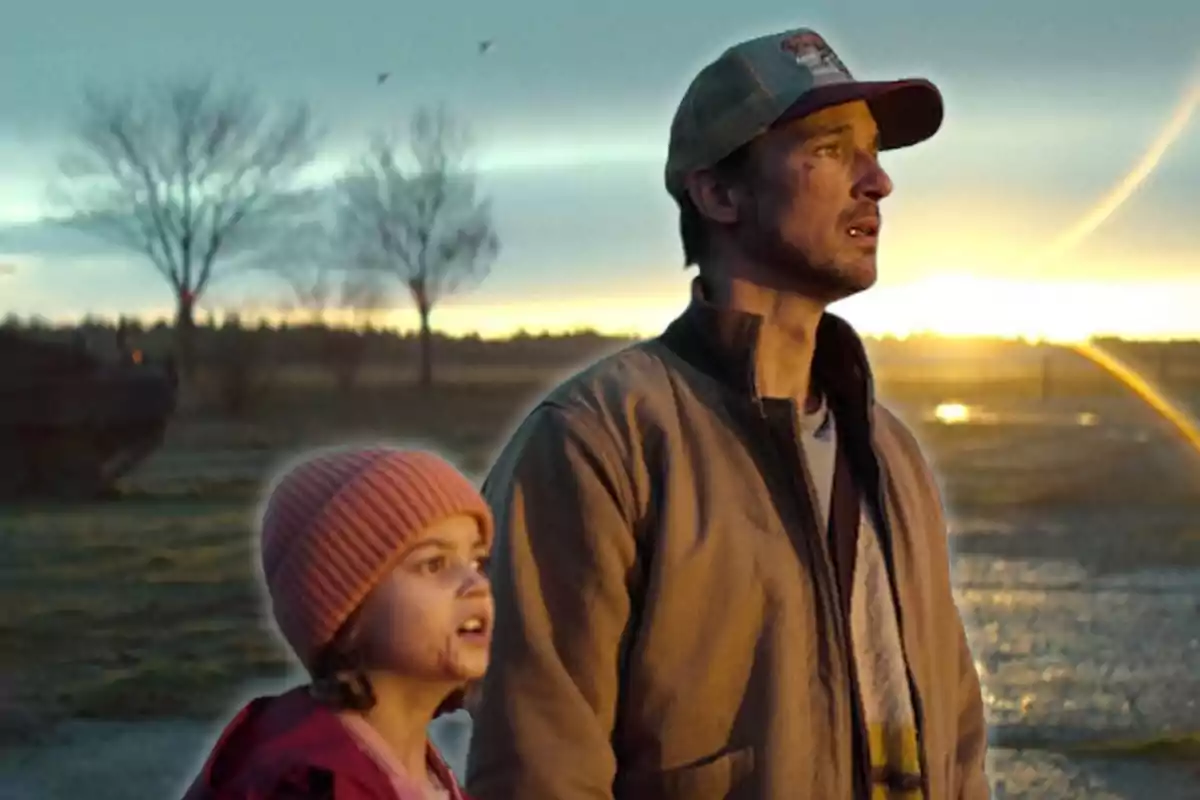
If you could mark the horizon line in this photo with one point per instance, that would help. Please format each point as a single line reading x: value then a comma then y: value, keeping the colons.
x: 247, y: 322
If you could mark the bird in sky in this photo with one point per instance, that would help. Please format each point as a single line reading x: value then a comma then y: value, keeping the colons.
x: 484, y: 46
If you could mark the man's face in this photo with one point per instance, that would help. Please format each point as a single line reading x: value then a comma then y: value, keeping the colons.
x: 807, y: 213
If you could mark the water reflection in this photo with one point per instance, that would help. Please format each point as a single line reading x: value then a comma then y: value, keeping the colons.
x: 954, y: 412
x: 1063, y: 651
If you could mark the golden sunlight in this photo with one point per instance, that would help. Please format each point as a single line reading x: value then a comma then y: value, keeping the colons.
x: 1061, y: 312
x: 952, y: 413
x: 1183, y: 422
x: 950, y: 305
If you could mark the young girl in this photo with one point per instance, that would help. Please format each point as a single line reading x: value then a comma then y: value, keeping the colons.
x: 373, y: 560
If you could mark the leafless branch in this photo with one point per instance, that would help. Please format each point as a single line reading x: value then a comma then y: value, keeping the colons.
x: 363, y: 294
x: 304, y: 259
x: 422, y: 222
x: 188, y: 174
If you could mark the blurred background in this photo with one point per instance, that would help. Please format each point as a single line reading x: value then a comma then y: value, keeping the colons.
x: 229, y: 232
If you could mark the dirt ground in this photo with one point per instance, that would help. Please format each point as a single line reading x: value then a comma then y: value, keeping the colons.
x: 137, y: 622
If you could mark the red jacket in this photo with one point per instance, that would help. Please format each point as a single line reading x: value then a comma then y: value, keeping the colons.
x: 289, y: 747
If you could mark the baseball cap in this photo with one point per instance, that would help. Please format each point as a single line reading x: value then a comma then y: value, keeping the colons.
x: 765, y: 81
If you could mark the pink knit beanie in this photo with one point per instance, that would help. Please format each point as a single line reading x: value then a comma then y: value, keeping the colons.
x: 335, y: 525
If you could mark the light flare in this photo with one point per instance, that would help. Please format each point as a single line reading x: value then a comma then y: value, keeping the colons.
x: 1144, y: 389
x: 1116, y: 197
x: 1183, y: 422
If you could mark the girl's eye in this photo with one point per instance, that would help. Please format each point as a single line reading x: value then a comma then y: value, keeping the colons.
x: 434, y: 565
x: 481, y: 564
x: 832, y: 149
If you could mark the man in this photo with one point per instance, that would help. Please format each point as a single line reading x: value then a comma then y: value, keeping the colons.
x: 721, y: 568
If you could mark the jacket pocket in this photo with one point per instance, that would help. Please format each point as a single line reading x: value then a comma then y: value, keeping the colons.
x: 724, y: 777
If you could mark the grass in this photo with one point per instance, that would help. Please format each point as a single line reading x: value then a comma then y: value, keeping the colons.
x: 127, y: 611
x: 148, y: 606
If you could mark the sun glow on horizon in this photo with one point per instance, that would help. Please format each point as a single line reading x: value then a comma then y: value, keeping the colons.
x: 1063, y: 312
x: 1030, y: 304
x: 948, y: 305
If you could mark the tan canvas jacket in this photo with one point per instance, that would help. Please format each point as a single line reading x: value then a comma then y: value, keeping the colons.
x: 666, y: 621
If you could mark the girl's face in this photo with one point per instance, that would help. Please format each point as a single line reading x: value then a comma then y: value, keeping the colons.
x: 431, y: 619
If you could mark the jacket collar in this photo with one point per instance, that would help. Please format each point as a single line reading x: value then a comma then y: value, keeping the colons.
x: 723, y: 343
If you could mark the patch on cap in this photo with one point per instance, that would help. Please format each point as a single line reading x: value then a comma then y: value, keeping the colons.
x: 811, y: 52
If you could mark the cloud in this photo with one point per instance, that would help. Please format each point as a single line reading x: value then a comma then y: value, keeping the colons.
x: 581, y: 209
x: 50, y: 240
x: 558, y: 64
x: 612, y: 229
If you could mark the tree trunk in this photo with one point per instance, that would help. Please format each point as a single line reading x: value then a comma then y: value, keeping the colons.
x: 185, y: 329
x: 426, y: 343
x: 1045, y: 376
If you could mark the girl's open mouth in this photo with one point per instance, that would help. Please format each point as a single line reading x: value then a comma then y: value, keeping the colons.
x: 477, y: 628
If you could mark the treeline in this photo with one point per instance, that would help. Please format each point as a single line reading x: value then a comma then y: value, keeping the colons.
x: 309, y: 343
x: 304, y: 344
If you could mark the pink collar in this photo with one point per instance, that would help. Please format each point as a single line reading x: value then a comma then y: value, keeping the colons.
x: 405, y: 785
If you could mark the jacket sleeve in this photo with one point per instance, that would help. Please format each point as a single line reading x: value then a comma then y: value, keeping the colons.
x: 561, y: 563
x: 971, y: 739
x: 971, y: 750
x: 971, y: 742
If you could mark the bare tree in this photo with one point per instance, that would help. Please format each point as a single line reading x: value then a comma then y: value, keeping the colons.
x: 363, y: 295
x: 318, y: 284
x: 422, y: 223
x: 187, y: 174
x: 307, y: 263
x: 311, y: 265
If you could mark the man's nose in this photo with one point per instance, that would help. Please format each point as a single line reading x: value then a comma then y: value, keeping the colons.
x: 873, y: 181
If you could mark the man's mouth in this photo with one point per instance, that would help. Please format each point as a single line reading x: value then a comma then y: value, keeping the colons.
x: 866, y: 229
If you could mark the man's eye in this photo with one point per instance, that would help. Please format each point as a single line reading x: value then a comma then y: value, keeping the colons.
x: 832, y: 149
x: 481, y: 564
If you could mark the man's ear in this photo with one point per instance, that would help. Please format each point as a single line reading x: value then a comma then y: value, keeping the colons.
x: 714, y: 198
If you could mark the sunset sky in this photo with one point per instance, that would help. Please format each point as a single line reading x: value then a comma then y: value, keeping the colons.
x: 1049, y: 106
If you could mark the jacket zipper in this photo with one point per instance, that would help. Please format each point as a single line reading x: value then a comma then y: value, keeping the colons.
x: 825, y: 579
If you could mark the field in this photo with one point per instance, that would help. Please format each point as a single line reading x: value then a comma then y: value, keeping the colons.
x: 1076, y: 533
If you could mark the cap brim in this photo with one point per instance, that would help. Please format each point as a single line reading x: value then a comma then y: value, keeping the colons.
x: 906, y: 111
